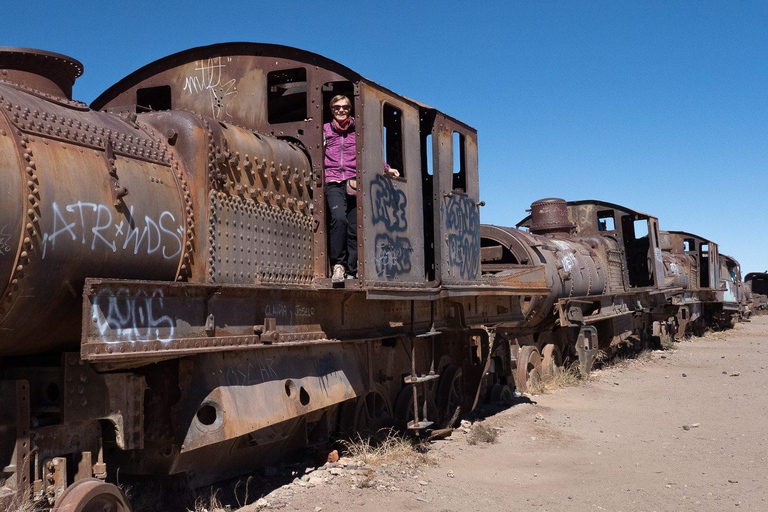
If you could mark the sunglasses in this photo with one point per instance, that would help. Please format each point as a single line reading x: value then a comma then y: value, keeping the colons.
x: 341, y: 107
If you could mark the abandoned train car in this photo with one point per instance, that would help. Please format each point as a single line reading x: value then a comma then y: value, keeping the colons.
x: 167, y: 307
x: 167, y: 302
x: 616, y: 282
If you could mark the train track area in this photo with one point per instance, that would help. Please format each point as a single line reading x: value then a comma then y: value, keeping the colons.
x: 679, y: 429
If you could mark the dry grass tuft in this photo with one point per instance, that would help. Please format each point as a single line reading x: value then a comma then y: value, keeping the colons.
x: 22, y: 503
x: 212, y: 504
x: 394, y: 447
x: 668, y: 343
x: 482, y: 433
x: 561, y: 378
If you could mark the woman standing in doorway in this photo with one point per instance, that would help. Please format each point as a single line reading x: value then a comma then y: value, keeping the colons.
x: 340, y: 187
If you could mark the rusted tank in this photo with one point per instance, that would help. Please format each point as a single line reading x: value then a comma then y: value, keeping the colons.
x: 92, y: 195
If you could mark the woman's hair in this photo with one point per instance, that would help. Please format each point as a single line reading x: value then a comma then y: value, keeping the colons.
x: 338, y: 97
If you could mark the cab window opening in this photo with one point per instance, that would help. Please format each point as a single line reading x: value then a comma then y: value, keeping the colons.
x: 287, y: 95
x: 605, y: 221
x: 392, y: 131
x: 459, y: 162
x: 153, y: 99
x: 637, y: 247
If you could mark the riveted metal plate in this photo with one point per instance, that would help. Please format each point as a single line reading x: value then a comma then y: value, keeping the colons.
x: 258, y: 243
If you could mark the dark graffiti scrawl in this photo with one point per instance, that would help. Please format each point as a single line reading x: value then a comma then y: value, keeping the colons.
x: 392, y: 256
x: 463, y: 222
x: 388, y: 205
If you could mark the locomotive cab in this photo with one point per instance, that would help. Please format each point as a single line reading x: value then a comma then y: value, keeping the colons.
x: 636, y: 233
x: 417, y: 231
x: 704, y: 255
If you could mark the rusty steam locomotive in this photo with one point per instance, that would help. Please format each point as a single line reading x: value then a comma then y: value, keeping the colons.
x: 166, y: 306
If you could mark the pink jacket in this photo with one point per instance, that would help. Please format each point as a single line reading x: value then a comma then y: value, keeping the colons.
x: 340, y: 153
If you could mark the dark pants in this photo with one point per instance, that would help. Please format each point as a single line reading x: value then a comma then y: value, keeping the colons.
x: 343, y: 233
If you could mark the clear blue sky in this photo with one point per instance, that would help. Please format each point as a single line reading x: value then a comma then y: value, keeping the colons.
x: 659, y: 106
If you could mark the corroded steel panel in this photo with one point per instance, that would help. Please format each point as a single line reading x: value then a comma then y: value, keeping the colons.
x: 247, y: 392
x: 101, y: 200
x: 392, y: 221
x: 12, y: 193
x: 258, y: 243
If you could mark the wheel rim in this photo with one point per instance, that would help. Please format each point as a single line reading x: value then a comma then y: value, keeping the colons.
x: 528, y: 372
x: 450, y: 395
x: 501, y: 393
x: 550, y: 359
x: 372, y: 414
x: 92, y: 495
x: 404, y: 407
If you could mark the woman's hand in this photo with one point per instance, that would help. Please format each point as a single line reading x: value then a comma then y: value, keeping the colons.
x: 391, y: 172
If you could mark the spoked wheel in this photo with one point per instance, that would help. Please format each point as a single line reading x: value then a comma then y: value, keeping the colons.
x: 92, y: 495
x: 528, y: 372
x: 501, y: 393
x: 372, y: 414
x: 550, y: 359
x: 450, y: 395
x: 404, y: 407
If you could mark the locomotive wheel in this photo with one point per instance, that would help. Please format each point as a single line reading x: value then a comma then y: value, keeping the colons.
x: 528, y: 372
x: 92, y: 495
x: 550, y: 359
x: 501, y: 393
x: 372, y: 414
x: 450, y: 395
x: 404, y: 407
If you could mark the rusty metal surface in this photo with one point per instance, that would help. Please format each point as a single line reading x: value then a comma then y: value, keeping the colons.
x: 15, y: 436
x: 179, y: 237
x: 46, y: 73
x: 120, y: 214
x: 550, y: 216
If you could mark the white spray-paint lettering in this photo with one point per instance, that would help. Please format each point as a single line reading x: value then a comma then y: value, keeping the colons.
x: 208, y: 79
x: 92, y: 224
x: 5, y: 237
x: 280, y: 310
x: 250, y: 373
x: 131, y: 316
x: 568, y: 259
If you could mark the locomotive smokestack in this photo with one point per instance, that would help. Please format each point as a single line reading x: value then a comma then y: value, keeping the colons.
x: 550, y: 216
x: 47, y: 72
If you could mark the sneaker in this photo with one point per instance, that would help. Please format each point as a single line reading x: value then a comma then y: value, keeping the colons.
x: 352, y: 276
x: 338, y: 274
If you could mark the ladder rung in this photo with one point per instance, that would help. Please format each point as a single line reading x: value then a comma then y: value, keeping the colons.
x: 422, y: 378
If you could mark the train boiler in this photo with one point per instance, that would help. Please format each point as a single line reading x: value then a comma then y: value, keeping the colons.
x: 166, y: 305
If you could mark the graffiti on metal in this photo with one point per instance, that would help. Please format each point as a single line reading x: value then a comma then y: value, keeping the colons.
x: 463, y: 222
x: 126, y: 315
x: 5, y: 237
x: 253, y: 372
x: 208, y: 80
x: 388, y: 205
x: 290, y: 312
x: 94, y: 226
x: 392, y: 256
